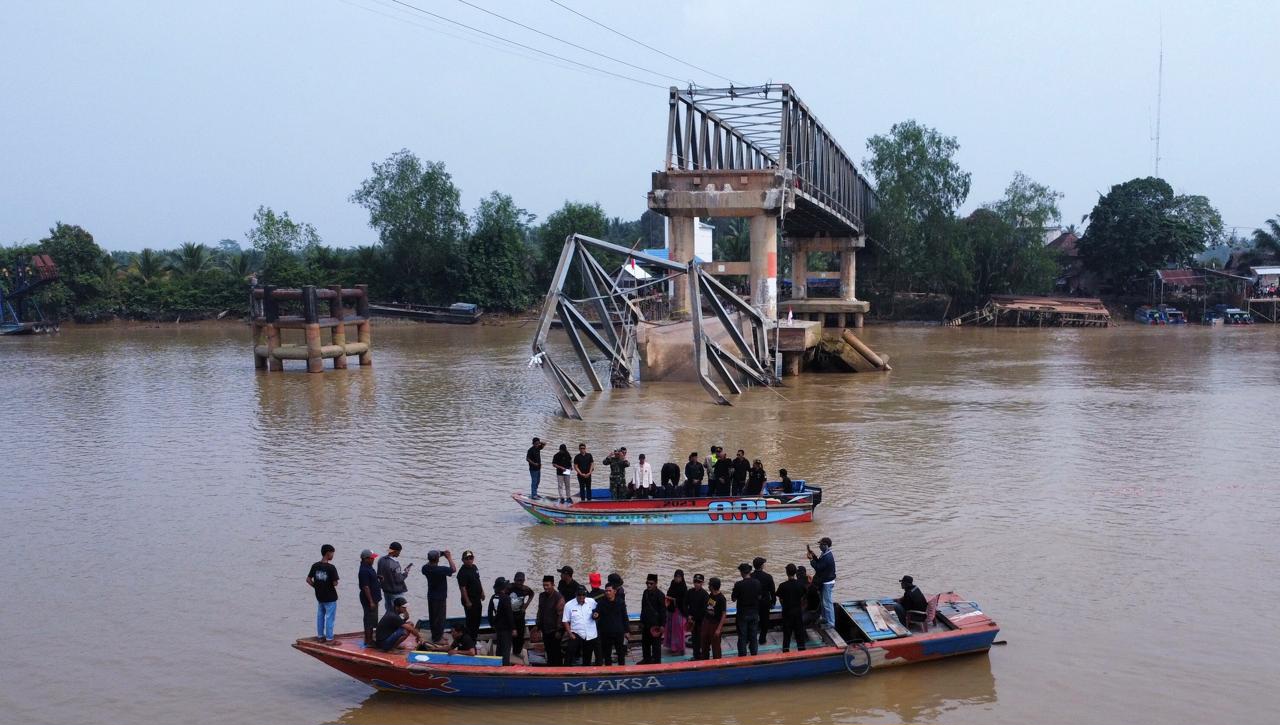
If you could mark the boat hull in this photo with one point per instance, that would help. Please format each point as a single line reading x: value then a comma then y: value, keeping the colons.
x: 702, y: 510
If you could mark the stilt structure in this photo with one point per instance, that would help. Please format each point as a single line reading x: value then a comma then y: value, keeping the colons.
x: 343, y: 306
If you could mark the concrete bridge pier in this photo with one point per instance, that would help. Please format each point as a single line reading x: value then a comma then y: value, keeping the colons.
x: 764, y: 264
x: 681, y: 245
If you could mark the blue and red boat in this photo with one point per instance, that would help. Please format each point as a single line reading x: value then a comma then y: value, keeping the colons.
x: 771, y: 507
x: 867, y: 636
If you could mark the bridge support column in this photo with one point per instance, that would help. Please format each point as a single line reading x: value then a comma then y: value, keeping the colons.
x: 680, y: 249
x: 848, y: 273
x: 764, y: 265
x: 799, y: 271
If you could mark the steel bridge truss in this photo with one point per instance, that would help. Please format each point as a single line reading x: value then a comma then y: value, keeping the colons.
x: 618, y: 316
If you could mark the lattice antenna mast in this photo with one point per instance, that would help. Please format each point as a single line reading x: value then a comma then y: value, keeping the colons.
x: 1159, y: 95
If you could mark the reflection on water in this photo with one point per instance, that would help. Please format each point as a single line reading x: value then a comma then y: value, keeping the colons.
x: 1106, y: 495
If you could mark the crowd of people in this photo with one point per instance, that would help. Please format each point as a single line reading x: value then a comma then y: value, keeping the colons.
x: 722, y: 474
x: 589, y: 623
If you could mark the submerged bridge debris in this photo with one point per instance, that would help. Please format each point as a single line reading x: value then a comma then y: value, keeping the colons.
x: 1025, y: 311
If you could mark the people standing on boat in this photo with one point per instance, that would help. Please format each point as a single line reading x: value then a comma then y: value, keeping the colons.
x: 567, y: 587
x: 392, y: 576
x: 617, y: 463
x: 644, y: 472
x: 521, y: 596
x: 713, y: 457
x: 695, y: 604
x: 755, y: 479
x: 611, y: 623
x: 912, y: 599
x: 595, y: 592
x: 550, y: 614
x: 564, y: 468
x: 615, y: 580
x: 653, y: 619
x: 713, y: 616
x: 787, y: 485
x: 580, y: 628
x: 502, y: 619
x: 534, y: 458
x: 395, y: 626
x: 694, y: 472
x: 323, y: 579
x: 676, y: 618
x: 741, y: 469
x: 722, y: 474
x: 471, y: 591
x: 370, y: 594
x: 824, y: 575
x: 746, y: 593
x: 812, y: 598
x: 791, y: 593
x: 768, y: 594
x: 670, y: 476
x: 438, y: 590
x: 584, y: 465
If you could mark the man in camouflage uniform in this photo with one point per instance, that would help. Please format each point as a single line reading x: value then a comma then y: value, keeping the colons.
x: 617, y: 463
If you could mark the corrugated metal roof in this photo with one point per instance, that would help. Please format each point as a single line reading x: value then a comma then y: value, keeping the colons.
x: 1265, y: 270
x: 1181, y: 277
x: 661, y: 253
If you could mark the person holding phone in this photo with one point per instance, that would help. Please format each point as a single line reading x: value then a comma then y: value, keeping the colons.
x: 824, y: 577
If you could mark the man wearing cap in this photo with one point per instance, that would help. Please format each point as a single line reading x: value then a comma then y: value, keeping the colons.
x: 695, y: 602
x: 824, y: 578
x: 653, y: 619
x: 395, y: 626
x: 567, y: 587
x: 534, y: 458
x: 438, y: 590
x: 791, y: 594
x: 521, y: 596
x: 472, y: 592
x: 550, y: 615
x: 502, y: 619
x: 370, y: 594
x: 583, y: 465
x: 323, y: 578
x: 564, y: 467
x: 746, y: 593
x: 580, y: 628
x: 912, y: 599
x: 617, y: 463
x: 392, y: 576
x: 768, y: 595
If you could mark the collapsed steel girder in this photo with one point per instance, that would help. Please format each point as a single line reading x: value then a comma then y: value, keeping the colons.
x: 619, y: 315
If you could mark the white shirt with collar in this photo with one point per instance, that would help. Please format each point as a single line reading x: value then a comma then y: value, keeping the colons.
x: 579, y: 617
x: 644, y: 474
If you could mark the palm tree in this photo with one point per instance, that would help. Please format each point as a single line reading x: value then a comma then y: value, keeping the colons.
x: 191, y: 259
x: 1267, y: 239
x: 148, y: 265
x: 240, y: 264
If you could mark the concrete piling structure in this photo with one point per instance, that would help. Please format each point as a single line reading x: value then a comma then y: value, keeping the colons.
x: 269, y: 352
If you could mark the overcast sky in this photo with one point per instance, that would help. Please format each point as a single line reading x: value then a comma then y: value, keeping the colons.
x: 153, y: 123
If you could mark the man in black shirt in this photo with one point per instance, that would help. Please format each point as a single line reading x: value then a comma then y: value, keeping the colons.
x: 694, y: 472
x: 438, y: 590
x: 695, y: 602
x: 521, y: 596
x: 791, y: 594
x: 768, y: 596
x: 741, y: 467
x: 670, y: 476
x: 323, y: 578
x: 567, y: 587
x: 713, y: 618
x: 611, y: 623
x: 653, y: 618
x: 462, y: 643
x: 550, y: 614
x: 721, y: 474
x: 583, y: 465
x: 370, y: 594
x: 746, y: 593
x: 564, y: 468
x: 472, y: 592
x: 534, y: 458
x: 912, y: 600
x: 394, y: 626
x: 501, y: 619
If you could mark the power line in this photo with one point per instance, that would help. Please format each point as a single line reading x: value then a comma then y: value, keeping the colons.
x: 573, y: 44
x: 641, y: 43
x: 526, y: 47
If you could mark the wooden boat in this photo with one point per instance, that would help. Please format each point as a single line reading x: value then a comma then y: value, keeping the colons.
x: 773, y: 507
x: 861, y: 641
x: 458, y: 313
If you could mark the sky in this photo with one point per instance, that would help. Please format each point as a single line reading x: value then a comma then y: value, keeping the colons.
x: 152, y: 124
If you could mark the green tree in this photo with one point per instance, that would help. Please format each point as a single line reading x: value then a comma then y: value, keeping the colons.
x: 191, y: 260
x: 148, y: 265
x: 1141, y: 226
x: 497, y: 259
x: 281, y: 240
x: 1267, y: 239
x: 417, y: 211
x: 1016, y: 261
x: 573, y: 217
x: 79, y: 261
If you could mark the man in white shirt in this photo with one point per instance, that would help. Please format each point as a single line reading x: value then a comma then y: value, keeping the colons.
x: 580, y: 629
x: 644, y: 473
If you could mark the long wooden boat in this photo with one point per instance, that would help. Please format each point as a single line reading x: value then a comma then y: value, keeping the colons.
x: 861, y: 641
x: 773, y: 507
x: 459, y: 313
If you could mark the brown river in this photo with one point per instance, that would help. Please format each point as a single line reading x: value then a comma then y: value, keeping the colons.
x: 1109, y: 496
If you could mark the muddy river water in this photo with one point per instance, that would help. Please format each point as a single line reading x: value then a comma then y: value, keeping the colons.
x: 1109, y: 496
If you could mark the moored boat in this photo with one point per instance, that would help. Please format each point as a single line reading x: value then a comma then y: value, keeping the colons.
x: 772, y: 507
x: 458, y: 313
x: 866, y: 636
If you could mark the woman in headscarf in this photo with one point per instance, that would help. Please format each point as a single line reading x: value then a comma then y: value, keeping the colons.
x: 676, y: 616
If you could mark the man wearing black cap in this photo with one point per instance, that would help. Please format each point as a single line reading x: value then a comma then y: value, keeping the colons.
x: 792, y: 594
x: 567, y: 587
x: 550, y: 614
x: 695, y: 602
x: 824, y: 577
x: 472, y: 592
x: 564, y: 465
x: 912, y: 599
x: 438, y: 591
x: 653, y: 618
x: 395, y: 626
x: 521, y: 596
x: 768, y: 595
x: 501, y: 619
x: 534, y: 458
x: 746, y: 593
x: 392, y: 576
x: 370, y: 594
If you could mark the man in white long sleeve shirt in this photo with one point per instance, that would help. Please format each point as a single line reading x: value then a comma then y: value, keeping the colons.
x: 644, y: 473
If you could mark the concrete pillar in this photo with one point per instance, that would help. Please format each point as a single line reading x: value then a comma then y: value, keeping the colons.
x: 799, y: 271
x: 680, y: 249
x: 764, y: 265
x: 848, y: 273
